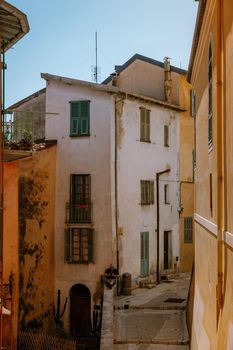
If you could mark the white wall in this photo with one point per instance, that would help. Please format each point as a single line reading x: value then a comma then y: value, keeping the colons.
x: 141, y: 161
x: 82, y: 155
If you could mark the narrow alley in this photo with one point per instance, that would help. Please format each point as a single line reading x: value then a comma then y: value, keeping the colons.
x: 153, y: 318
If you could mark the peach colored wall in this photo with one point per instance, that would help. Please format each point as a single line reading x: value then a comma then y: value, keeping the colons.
x: 36, y: 239
x: 10, y: 246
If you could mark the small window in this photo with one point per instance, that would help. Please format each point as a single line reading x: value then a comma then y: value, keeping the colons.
x: 210, y: 98
x: 147, y: 192
x: 80, y: 118
x: 166, y: 194
x: 166, y: 135
x: 188, y: 230
x: 211, y: 195
x: 144, y: 125
x: 79, y: 245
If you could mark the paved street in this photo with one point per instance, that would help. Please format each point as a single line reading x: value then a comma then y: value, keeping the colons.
x: 153, y: 319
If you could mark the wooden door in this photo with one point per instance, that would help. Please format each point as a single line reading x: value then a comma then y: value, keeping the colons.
x: 167, y: 251
x: 144, y: 253
x: 80, y: 311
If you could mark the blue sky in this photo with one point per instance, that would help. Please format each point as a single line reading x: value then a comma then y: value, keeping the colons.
x: 61, y: 40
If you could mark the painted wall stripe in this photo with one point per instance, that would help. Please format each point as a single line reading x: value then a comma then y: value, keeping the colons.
x: 208, y: 225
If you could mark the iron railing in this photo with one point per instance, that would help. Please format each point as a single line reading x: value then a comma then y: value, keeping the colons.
x: 78, y: 213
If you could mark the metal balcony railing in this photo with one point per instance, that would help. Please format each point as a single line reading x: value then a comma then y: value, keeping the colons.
x: 78, y: 213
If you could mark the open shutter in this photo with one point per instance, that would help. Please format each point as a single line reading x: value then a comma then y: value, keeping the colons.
x: 67, y: 245
x: 90, y: 246
x: 74, y: 118
x: 147, y: 125
x: 142, y: 124
x: 152, y: 192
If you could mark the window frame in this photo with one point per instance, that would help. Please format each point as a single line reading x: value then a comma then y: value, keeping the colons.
x: 79, y: 116
x: 166, y: 194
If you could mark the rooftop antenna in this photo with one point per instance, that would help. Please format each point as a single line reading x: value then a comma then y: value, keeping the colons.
x: 95, y: 69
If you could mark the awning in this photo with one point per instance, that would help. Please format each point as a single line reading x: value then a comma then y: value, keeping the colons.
x: 13, y: 25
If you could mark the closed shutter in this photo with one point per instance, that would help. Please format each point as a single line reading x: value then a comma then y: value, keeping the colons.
x: 67, y: 245
x: 188, y: 230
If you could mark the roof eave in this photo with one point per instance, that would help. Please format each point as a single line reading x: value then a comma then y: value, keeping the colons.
x: 17, y: 33
x: 196, y: 36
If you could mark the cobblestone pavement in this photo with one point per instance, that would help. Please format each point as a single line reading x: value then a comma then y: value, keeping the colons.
x: 153, y: 319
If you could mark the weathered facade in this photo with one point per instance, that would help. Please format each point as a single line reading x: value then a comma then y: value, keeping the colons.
x: 118, y: 179
x: 14, y: 26
x: 210, y: 72
x: 29, y: 193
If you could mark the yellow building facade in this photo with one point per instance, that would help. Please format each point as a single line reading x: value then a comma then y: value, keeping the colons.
x: 211, y: 75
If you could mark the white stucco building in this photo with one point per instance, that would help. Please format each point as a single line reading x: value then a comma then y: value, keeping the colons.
x: 117, y: 180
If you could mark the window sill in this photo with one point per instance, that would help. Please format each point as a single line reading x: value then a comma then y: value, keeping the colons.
x: 79, y: 262
x: 145, y: 141
x: 86, y: 135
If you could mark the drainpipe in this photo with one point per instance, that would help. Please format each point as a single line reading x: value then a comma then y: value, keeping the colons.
x: 221, y: 205
x: 116, y: 187
x: 158, y: 217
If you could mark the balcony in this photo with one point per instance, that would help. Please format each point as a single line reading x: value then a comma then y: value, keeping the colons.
x: 78, y: 213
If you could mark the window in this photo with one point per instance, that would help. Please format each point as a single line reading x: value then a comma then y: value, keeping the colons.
x: 193, y: 102
x: 79, y: 245
x: 145, y: 124
x: 80, y: 118
x: 80, y: 199
x: 210, y: 98
x: 147, y: 192
x: 188, y: 230
x: 166, y: 135
x: 166, y: 194
x: 211, y: 195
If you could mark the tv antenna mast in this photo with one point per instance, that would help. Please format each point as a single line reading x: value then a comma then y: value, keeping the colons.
x: 95, y: 69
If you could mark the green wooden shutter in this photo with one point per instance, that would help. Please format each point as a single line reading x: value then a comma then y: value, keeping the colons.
x: 142, y: 124
x: 74, y: 118
x: 90, y: 245
x: 147, y: 122
x: 68, y: 245
x: 152, y: 191
x: 85, y: 118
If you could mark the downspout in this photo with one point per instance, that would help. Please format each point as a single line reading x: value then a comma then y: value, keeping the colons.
x: 116, y: 187
x: 220, y: 161
x: 158, y: 218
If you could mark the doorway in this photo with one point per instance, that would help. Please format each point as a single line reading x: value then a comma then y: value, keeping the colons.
x: 167, y: 250
x: 144, y: 253
x: 80, y: 311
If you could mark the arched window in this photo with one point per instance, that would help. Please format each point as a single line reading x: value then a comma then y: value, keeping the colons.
x: 210, y: 96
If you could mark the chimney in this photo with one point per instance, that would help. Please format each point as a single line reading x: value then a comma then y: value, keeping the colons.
x: 114, y: 78
x: 167, y: 80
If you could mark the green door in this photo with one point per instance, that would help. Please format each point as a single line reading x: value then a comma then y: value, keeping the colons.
x: 144, y: 253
